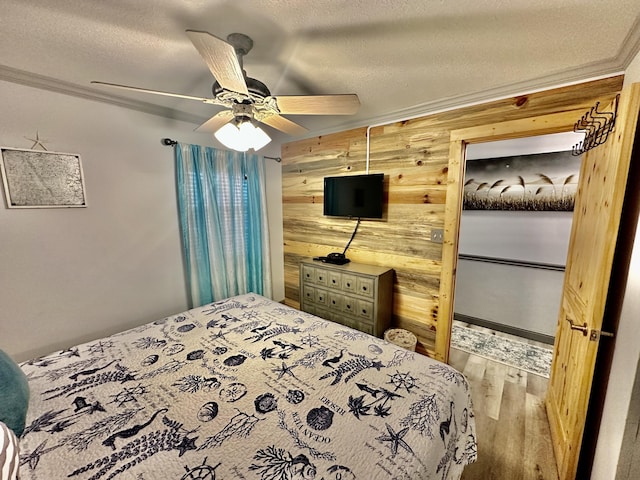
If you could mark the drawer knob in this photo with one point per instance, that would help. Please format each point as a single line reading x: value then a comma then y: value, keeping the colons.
x: 348, y: 284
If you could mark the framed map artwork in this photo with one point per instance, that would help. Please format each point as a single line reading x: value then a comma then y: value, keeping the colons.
x: 41, y: 179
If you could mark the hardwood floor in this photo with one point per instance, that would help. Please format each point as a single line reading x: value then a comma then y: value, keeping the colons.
x: 511, y: 422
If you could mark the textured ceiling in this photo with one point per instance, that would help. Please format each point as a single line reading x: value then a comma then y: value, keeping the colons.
x: 402, y: 58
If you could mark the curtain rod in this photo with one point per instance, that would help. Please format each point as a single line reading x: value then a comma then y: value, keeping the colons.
x: 172, y: 143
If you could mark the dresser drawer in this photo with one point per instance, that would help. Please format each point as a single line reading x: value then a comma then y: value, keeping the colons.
x: 364, y: 286
x: 349, y: 305
x: 321, y: 296
x: 321, y: 276
x: 365, y: 309
x: 322, y: 313
x: 347, y: 322
x: 365, y: 327
x: 308, y: 273
x: 309, y: 293
x: 336, y: 300
x: 335, y: 280
x: 349, y: 283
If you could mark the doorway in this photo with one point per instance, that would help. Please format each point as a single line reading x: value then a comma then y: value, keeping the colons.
x: 508, y: 288
x: 590, y: 259
x: 514, y: 233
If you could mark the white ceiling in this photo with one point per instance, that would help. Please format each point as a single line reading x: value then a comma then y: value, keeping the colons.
x: 402, y: 58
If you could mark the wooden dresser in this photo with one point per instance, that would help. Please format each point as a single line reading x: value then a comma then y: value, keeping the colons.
x: 356, y: 295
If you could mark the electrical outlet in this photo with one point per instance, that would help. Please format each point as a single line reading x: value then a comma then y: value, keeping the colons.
x: 437, y: 235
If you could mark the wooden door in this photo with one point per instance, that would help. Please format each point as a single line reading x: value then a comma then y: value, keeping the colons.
x: 596, y: 221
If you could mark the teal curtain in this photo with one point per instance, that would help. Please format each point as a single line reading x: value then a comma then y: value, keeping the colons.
x: 223, y: 220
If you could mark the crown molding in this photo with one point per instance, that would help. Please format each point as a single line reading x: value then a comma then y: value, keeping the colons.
x: 560, y: 79
x: 630, y: 46
x: 616, y: 65
x: 51, y: 84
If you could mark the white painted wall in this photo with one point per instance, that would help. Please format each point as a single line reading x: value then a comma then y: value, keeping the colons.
x: 518, y: 297
x: 274, y: 205
x: 72, y: 275
x: 625, y: 358
x: 522, y: 297
x: 541, y: 237
x: 632, y: 73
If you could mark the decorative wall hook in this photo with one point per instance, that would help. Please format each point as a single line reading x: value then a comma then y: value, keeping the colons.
x: 596, y: 126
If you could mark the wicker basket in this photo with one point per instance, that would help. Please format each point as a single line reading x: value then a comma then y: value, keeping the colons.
x: 402, y: 338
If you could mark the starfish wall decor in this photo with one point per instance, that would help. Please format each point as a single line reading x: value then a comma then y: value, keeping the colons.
x: 37, y: 142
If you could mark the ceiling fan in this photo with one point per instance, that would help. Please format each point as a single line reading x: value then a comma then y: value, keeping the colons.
x: 246, y: 98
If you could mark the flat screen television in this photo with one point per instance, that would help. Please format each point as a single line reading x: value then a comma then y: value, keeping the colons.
x: 358, y: 196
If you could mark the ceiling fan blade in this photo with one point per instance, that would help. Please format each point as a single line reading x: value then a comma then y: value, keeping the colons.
x: 347, y: 104
x: 157, y: 92
x: 214, y: 123
x: 284, y: 125
x: 221, y: 59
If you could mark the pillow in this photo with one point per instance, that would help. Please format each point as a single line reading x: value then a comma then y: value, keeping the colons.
x: 14, y: 394
x: 9, y: 454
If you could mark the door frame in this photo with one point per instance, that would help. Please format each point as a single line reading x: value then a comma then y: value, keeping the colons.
x: 548, y: 124
x: 459, y: 139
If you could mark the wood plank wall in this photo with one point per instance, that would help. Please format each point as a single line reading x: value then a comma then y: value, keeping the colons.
x: 414, y: 156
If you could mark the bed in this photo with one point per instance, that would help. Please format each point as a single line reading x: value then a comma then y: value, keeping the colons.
x: 244, y: 388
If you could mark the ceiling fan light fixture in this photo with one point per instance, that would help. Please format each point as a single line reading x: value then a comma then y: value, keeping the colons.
x: 258, y: 136
x: 229, y: 136
x: 242, y: 136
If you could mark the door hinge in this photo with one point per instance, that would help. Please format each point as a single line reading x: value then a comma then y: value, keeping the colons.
x: 596, y: 334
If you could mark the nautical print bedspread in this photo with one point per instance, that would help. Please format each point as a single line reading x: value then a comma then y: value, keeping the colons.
x: 245, y: 388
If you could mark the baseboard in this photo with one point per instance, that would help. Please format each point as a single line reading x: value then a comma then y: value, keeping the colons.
x: 520, y: 332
